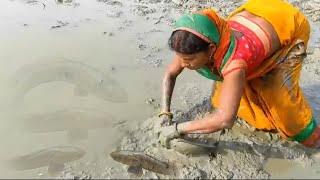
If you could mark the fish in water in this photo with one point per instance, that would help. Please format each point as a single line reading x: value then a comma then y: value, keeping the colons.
x: 64, y: 1
x: 54, y: 157
x: 138, y: 160
x: 76, y: 121
x: 32, y: 2
x: 86, y: 79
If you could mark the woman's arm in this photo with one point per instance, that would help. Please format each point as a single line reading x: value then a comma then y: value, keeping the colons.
x: 169, y: 79
x: 223, y: 117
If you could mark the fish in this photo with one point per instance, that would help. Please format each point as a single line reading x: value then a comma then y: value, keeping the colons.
x: 137, y: 160
x: 76, y: 121
x: 85, y: 78
x: 32, y: 2
x: 192, y: 147
x: 64, y: 1
x: 54, y: 157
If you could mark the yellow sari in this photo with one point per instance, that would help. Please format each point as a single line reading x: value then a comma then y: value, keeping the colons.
x: 272, y: 98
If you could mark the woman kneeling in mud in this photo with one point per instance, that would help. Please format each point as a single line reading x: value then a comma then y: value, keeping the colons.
x: 255, y: 57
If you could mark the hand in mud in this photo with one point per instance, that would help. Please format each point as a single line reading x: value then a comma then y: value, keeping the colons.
x: 166, y: 121
x: 168, y: 133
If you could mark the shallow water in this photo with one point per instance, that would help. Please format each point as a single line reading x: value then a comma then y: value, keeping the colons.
x: 127, y: 47
x: 27, y: 37
x: 88, y: 34
x: 289, y: 169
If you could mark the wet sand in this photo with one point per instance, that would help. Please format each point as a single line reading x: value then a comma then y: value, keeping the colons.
x: 127, y: 39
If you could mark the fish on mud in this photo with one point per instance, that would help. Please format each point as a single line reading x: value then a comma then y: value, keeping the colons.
x: 76, y: 121
x: 192, y: 147
x: 86, y: 79
x: 53, y: 157
x: 138, y: 160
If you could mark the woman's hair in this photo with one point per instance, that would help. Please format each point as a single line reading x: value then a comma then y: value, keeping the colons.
x: 187, y: 43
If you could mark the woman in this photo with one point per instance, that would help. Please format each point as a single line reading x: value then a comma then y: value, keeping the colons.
x: 255, y: 57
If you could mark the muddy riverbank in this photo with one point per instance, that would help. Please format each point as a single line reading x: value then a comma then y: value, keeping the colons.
x: 128, y: 41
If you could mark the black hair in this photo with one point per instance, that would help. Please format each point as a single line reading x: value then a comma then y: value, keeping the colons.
x: 187, y: 43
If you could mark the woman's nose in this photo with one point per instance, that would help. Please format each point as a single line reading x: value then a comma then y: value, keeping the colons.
x: 185, y: 65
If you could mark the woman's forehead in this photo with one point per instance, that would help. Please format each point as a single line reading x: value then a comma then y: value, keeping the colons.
x: 188, y: 56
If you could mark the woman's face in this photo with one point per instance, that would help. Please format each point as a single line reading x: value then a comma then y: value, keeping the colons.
x: 196, y: 60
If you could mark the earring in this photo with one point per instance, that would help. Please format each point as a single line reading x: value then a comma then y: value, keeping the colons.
x: 211, y: 55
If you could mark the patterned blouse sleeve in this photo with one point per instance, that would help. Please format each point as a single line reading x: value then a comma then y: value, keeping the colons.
x: 233, y: 65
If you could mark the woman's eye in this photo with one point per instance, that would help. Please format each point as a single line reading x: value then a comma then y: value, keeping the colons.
x: 188, y: 59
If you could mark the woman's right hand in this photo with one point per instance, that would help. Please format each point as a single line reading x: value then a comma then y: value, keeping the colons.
x: 168, y: 83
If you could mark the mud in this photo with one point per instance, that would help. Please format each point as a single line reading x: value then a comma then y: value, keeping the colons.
x: 240, y: 153
x: 128, y: 39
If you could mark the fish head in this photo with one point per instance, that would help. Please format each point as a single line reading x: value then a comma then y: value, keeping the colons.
x: 127, y: 157
x: 135, y: 170
x: 110, y: 90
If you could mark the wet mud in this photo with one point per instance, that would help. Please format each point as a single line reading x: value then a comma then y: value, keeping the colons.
x: 116, y: 52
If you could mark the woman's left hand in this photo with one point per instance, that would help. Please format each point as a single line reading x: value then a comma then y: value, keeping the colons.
x: 166, y: 120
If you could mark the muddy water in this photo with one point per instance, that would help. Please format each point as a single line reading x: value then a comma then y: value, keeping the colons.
x: 90, y: 34
x: 110, y: 38
x: 288, y: 169
x: 27, y: 37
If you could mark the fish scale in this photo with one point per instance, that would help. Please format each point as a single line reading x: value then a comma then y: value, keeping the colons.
x: 142, y: 160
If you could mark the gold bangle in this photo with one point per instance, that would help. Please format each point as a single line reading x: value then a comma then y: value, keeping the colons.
x: 166, y: 113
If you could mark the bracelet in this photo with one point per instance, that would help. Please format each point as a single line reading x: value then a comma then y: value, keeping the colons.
x: 166, y: 113
x: 177, y: 130
x: 176, y: 127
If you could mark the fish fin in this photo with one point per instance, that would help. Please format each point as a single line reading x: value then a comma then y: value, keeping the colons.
x: 78, y: 91
x: 77, y: 134
x: 136, y: 170
x: 55, y: 168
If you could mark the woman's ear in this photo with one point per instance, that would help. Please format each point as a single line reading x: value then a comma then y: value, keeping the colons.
x: 211, y: 50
